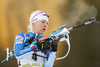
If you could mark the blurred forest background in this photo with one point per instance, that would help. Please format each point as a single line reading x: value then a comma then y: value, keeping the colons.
x: 85, y: 41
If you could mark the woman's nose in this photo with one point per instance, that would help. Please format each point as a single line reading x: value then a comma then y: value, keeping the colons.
x: 45, y: 25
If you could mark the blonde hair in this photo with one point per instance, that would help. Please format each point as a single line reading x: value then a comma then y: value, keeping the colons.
x: 30, y: 26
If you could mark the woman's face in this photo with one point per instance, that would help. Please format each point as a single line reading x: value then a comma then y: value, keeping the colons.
x: 40, y: 26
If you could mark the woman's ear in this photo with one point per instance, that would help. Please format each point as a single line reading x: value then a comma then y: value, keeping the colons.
x: 32, y: 24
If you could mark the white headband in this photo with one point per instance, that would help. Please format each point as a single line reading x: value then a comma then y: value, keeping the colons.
x: 39, y: 16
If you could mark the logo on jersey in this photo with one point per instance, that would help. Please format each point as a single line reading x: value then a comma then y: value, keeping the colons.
x: 19, y: 37
x: 21, y: 51
x: 43, y: 38
x: 28, y: 37
x: 17, y: 41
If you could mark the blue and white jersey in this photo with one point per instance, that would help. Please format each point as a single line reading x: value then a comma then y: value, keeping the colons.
x: 24, y: 56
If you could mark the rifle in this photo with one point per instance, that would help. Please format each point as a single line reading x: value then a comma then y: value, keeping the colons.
x: 63, y: 31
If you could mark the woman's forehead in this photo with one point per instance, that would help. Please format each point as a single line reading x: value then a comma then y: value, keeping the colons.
x: 44, y: 20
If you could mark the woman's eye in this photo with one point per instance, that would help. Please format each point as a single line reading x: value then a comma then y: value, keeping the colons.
x: 47, y: 23
x: 43, y: 22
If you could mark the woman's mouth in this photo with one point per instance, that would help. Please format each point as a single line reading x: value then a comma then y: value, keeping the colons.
x: 44, y: 29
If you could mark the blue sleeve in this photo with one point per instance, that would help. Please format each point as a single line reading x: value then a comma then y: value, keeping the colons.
x: 19, y: 45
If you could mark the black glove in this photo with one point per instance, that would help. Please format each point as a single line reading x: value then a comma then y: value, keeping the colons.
x: 43, y: 45
x: 54, y: 43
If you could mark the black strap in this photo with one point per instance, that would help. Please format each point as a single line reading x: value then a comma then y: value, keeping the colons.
x: 35, y: 56
x: 19, y: 63
x: 41, y: 56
